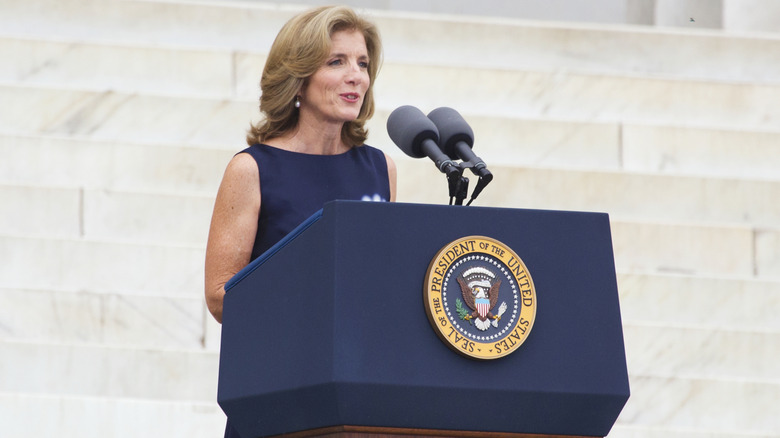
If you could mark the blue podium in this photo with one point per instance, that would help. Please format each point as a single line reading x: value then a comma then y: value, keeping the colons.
x: 328, y: 333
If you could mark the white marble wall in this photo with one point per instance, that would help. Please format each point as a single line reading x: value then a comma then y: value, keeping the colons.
x: 120, y: 115
x: 740, y: 15
x: 83, y: 416
x: 691, y: 14
x: 751, y: 16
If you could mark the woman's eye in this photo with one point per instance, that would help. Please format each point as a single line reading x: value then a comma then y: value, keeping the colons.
x: 335, y: 62
x: 363, y: 64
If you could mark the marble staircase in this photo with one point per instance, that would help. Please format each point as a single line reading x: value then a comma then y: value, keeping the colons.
x: 119, y: 117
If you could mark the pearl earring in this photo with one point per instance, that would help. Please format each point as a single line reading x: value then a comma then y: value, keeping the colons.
x: 297, y: 102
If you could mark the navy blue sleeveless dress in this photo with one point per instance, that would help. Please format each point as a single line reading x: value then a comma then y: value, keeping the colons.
x: 294, y: 185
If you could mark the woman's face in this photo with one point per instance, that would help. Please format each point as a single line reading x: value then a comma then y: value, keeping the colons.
x: 335, y: 92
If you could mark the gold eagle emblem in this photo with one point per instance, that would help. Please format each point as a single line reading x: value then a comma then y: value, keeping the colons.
x: 479, y: 288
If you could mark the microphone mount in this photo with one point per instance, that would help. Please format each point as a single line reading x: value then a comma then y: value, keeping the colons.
x: 459, y: 184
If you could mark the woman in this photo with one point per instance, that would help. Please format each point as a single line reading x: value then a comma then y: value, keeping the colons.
x: 317, y: 95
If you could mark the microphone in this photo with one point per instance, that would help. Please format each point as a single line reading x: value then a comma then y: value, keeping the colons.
x: 418, y: 137
x: 456, y: 139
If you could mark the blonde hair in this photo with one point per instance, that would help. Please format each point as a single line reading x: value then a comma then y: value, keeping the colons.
x: 299, y: 49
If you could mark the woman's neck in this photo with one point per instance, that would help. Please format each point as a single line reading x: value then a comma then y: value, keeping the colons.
x: 306, y: 138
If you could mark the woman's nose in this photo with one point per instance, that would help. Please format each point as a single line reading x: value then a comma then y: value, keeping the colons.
x: 354, y: 73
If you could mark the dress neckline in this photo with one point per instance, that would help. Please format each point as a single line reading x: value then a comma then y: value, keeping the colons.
x: 307, y: 154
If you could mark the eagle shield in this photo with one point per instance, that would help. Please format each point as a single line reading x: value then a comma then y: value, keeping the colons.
x: 479, y: 288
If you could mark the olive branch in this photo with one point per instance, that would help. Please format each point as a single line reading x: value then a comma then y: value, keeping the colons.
x: 462, y: 312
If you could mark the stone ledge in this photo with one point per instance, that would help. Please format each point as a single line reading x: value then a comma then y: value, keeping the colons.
x: 99, y: 318
x: 624, y: 195
x: 732, y: 407
x: 183, y: 218
x: 629, y: 431
x: 109, y: 371
x: 118, y: 116
x: 128, y: 69
x: 91, y: 164
x: 703, y: 353
x: 121, y: 265
x: 716, y: 303
x: 114, y: 159
x: 725, y: 153
x: 683, y: 249
x: 26, y: 415
x: 441, y: 39
x: 109, y: 267
x: 485, y: 93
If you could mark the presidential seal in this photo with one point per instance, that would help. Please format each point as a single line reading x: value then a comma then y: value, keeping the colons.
x: 480, y: 298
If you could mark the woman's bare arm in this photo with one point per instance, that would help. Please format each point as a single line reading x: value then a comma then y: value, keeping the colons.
x: 233, y: 228
x: 392, y: 176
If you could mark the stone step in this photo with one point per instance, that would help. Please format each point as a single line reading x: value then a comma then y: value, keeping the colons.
x: 711, y: 411
x: 52, y: 211
x: 662, y: 149
x: 84, y: 65
x: 676, y: 150
x: 644, y: 416
x: 720, y: 304
x: 130, y: 22
x: 110, y: 319
x: 476, y: 92
x: 71, y: 416
x: 147, y: 218
x: 132, y: 217
x: 110, y: 160
x: 220, y: 74
x: 103, y: 371
x: 182, y: 220
x: 123, y: 117
x: 692, y: 351
x: 650, y: 197
x: 411, y: 38
x: 665, y: 302
x: 116, y: 117
x: 103, y: 266
x: 702, y: 353
x: 696, y: 250
x: 692, y: 362
x: 112, y: 165
x: 183, y: 217
x: 117, y: 266
x: 582, y: 97
x: 704, y: 303
x: 699, y: 407
x: 629, y: 431
x: 95, y: 163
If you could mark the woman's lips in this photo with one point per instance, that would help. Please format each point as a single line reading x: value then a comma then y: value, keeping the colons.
x: 350, y: 97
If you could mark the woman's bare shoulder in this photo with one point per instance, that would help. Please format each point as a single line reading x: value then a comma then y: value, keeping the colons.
x: 242, y: 169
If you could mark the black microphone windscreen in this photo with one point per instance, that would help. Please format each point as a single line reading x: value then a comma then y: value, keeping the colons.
x: 408, y: 127
x: 452, y: 129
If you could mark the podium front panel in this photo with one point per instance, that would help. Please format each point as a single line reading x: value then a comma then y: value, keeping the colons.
x: 332, y: 329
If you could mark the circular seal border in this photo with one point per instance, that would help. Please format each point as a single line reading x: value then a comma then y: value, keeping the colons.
x: 447, y: 329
